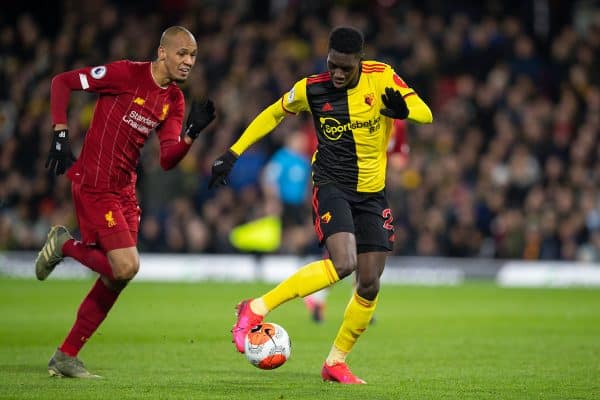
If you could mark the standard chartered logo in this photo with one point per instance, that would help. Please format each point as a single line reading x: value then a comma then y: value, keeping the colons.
x: 334, y: 129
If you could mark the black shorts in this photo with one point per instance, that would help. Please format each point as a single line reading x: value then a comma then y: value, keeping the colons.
x: 366, y: 215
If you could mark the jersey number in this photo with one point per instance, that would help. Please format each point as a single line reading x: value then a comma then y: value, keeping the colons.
x: 387, y: 215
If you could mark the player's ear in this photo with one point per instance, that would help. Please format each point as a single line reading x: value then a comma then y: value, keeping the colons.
x: 161, y: 53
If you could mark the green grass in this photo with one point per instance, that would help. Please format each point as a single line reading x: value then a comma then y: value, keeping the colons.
x: 172, y: 341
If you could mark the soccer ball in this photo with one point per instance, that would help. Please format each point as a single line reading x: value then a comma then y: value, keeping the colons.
x: 267, y: 346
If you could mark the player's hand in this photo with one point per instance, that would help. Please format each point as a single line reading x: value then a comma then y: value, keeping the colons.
x: 61, y: 157
x: 201, y: 114
x: 395, y: 106
x: 221, y: 169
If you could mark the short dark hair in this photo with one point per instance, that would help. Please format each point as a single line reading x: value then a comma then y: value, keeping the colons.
x: 346, y: 39
x: 172, y: 31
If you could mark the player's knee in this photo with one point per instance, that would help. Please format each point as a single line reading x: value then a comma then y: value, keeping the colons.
x: 345, y: 265
x: 368, y: 288
x: 114, y: 285
x: 126, y: 268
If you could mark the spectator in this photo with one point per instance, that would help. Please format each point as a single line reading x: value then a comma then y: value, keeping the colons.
x: 512, y: 159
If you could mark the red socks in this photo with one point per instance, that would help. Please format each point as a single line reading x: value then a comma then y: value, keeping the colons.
x: 90, y: 315
x: 91, y: 257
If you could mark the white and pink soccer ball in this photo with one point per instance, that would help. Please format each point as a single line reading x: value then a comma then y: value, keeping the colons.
x: 267, y: 346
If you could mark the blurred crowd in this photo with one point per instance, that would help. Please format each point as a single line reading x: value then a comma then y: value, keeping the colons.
x: 510, y: 168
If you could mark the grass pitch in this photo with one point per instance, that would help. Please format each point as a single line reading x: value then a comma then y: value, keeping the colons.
x: 172, y: 341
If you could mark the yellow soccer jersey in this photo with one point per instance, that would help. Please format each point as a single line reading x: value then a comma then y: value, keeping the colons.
x: 352, y: 134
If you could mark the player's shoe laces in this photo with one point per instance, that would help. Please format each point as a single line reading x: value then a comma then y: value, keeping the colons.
x: 63, y: 365
x: 51, y: 254
x: 340, y: 372
x: 246, y: 319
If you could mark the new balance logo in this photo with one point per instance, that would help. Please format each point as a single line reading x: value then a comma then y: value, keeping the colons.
x: 327, y: 107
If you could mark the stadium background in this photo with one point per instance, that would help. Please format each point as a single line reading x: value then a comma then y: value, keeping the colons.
x: 508, y: 172
x: 510, y: 168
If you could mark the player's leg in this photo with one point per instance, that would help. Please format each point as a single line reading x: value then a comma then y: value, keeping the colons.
x: 334, y: 225
x: 306, y: 280
x: 93, y: 311
x: 123, y: 258
x: 314, y: 276
x: 315, y: 302
x: 357, y: 316
x: 60, y: 243
x: 361, y: 306
x: 354, y: 286
x: 375, y: 240
x: 52, y: 252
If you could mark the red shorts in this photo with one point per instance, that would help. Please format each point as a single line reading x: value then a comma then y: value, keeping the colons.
x: 107, y: 219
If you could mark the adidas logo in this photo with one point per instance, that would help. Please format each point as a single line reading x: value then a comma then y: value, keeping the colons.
x: 327, y: 107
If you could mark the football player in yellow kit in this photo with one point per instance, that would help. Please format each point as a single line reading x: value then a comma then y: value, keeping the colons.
x: 353, y: 106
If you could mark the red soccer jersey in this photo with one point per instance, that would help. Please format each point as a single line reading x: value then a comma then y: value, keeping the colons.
x: 130, y: 106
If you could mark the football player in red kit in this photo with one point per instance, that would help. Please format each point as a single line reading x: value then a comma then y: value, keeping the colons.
x: 135, y: 98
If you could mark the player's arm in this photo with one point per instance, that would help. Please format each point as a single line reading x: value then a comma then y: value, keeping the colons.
x: 173, y: 147
x: 263, y: 124
x: 60, y: 156
x: 292, y: 102
x: 419, y: 111
x: 402, y: 102
x: 100, y: 79
x: 106, y: 79
x: 410, y: 106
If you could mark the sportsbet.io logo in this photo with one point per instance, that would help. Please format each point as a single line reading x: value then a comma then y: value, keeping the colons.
x: 334, y: 129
